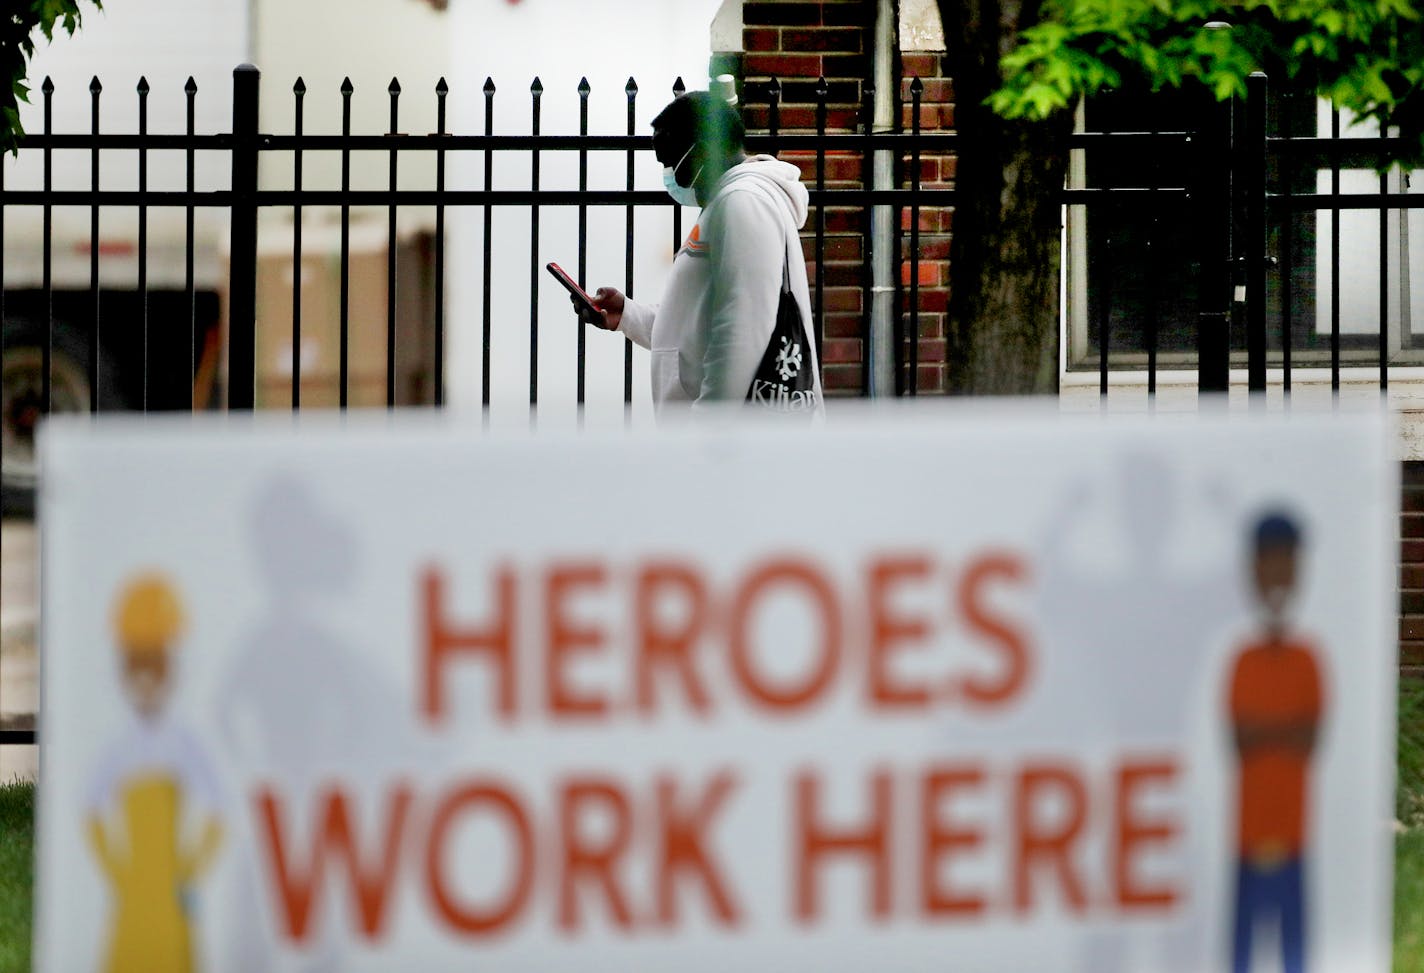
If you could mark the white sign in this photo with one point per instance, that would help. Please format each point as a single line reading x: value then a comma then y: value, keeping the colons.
x: 1008, y: 692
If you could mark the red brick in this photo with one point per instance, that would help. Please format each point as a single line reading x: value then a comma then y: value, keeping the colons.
x: 933, y: 219
x: 1411, y: 576
x: 948, y: 166
x: 1411, y: 628
x: 929, y: 169
x: 806, y: 165
x: 847, y: 168
x: 842, y: 325
x: 1411, y: 525
x: 1411, y: 552
x: 841, y: 40
x: 842, y: 299
x: 933, y: 300
x: 931, y: 349
x: 841, y: 380
x: 930, y: 117
x: 761, y: 39
x: 933, y: 379
x: 1411, y: 602
x: 1413, y: 498
x: 933, y: 91
x: 931, y: 329
x: 780, y: 14
x: 841, y: 171
x: 929, y: 273
x: 843, y: 275
x: 782, y: 65
x: 840, y: 219
x: 933, y: 247
x: 798, y: 118
x: 1411, y: 653
x: 840, y: 350
x: 931, y: 325
x: 837, y: 247
x: 923, y: 65
x: 937, y: 91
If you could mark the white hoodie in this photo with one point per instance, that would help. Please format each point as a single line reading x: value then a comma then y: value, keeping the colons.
x: 707, y: 349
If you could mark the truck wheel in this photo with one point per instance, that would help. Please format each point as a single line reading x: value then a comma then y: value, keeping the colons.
x: 22, y: 405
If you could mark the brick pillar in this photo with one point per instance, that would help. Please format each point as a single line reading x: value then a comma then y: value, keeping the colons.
x: 798, y: 42
x: 936, y: 223
x: 1411, y: 571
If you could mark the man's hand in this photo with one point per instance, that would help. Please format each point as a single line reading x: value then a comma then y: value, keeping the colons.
x: 610, y: 303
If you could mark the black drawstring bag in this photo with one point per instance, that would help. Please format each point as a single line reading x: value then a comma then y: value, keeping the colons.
x: 785, y: 380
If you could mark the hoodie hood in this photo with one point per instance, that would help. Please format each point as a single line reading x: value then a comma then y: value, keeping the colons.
x: 782, y: 179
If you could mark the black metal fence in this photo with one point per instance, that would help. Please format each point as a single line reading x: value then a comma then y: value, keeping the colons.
x: 1257, y: 185
x: 1234, y: 207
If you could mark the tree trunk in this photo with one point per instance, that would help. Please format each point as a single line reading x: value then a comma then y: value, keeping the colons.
x: 1005, y: 252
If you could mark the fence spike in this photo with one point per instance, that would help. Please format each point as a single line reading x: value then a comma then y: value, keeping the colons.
x: 300, y: 87
x: 489, y: 86
x: 95, y: 87
x: 394, y: 87
x: 142, y: 85
x: 346, y: 86
x: 583, y: 87
x: 441, y: 87
x: 917, y: 86
x: 773, y: 88
x: 191, y: 87
x: 537, y: 88
x: 678, y: 88
x: 48, y: 86
x: 631, y: 88
x: 823, y: 89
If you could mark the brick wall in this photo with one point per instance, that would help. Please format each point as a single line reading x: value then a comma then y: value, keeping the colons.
x: 798, y: 42
x: 1411, y: 571
x: 936, y: 223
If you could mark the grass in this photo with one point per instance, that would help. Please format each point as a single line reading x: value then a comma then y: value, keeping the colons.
x: 1409, y: 902
x: 1409, y: 845
x: 17, y: 873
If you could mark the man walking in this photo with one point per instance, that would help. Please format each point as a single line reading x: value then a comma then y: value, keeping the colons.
x: 718, y: 311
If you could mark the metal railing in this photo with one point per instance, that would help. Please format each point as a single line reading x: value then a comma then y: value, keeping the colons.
x: 1231, y: 196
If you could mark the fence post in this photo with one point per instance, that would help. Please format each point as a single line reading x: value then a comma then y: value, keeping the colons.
x: 1253, y: 177
x: 242, y: 258
x: 1214, y: 242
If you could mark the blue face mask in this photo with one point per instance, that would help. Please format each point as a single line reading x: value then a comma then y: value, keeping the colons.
x: 682, y: 195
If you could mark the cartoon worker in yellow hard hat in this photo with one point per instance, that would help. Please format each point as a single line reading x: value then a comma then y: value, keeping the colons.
x: 153, y: 821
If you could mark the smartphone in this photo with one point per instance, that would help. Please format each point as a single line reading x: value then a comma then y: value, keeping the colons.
x: 580, y: 295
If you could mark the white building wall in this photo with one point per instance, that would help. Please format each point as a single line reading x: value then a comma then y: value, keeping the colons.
x: 165, y: 41
x: 560, y: 41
